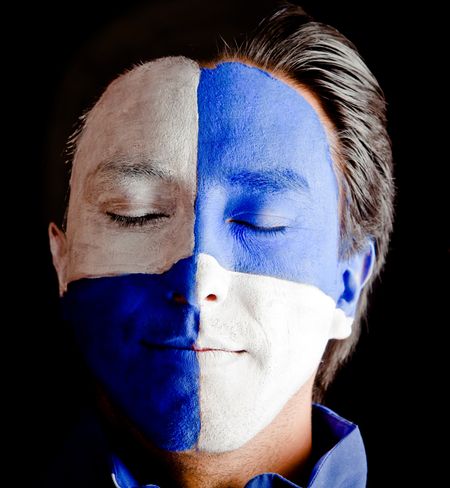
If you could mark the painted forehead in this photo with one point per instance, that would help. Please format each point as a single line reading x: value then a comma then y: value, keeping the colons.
x: 162, y: 100
x: 149, y: 113
x: 257, y: 121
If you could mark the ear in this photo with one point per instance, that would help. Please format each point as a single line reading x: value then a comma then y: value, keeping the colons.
x: 353, y: 275
x: 58, y: 248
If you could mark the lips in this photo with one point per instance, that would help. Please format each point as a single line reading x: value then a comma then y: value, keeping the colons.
x: 206, y: 349
x: 152, y: 345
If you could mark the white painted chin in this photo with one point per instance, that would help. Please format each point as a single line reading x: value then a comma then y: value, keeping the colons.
x: 282, y: 326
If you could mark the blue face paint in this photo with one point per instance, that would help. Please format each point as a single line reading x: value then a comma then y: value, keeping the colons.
x: 138, y: 342
x: 266, y: 205
x: 264, y: 162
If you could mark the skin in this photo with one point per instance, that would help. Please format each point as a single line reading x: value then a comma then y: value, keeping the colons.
x: 284, y: 446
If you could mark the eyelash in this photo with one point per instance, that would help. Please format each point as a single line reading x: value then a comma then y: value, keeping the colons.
x: 268, y: 231
x: 141, y: 220
x: 138, y: 221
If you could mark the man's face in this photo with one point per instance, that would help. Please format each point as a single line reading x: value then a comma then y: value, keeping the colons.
x: 202, y: 250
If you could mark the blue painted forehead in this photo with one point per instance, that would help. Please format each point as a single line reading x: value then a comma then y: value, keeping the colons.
x: 249, y: 117
x: 239, y: 83
x: 240, y: 76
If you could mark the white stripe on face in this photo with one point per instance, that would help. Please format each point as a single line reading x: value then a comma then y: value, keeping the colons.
x: 282, y: 326
x: 135, y: 158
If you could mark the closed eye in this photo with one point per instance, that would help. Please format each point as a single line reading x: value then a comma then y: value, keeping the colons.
x: 259, y: 229
x: 138, y: 220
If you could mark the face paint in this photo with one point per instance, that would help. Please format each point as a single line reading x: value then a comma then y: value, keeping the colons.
x: 137, y: 156
x: 255, y: 255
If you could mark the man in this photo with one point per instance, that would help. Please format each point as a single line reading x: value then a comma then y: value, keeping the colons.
x: 225, y: 221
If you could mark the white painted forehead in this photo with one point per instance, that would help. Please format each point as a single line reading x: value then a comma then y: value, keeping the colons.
x: 153, y: 76
x: 145, y: 80
x: 139, y: 106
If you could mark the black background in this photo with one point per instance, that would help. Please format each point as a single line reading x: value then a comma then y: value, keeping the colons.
x: 59, y: 59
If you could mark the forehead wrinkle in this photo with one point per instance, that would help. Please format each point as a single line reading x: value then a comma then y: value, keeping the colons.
x: 268, y: 180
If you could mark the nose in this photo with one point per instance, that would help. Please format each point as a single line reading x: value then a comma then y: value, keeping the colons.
x: 212, y: 281
x: 196, y: 280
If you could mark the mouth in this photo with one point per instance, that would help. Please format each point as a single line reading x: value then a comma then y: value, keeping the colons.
x: 151, y: 345
x: 196, y: 349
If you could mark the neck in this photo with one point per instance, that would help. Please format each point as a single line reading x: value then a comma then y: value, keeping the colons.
x: 283, y: 447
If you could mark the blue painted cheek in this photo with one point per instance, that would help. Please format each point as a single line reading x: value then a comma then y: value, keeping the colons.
x: 251, y: 123
x: 138, y: 341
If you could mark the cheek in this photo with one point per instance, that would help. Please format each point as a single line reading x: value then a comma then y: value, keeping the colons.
x: 284, y: 327
x: 97, y: 247
x: 280, y: 322
x: 296, y: 320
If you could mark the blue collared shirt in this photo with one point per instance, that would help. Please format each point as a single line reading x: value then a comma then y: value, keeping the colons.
x: 337, y: 444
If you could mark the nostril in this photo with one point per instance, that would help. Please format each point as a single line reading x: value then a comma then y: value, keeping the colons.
x: 211, y: 297
x: 179, y: 298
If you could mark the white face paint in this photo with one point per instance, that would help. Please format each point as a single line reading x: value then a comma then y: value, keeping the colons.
x: 282, y: 326
x: 138, y: 156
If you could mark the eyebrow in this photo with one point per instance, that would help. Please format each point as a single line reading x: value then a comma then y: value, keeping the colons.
x: 269, y: 181
x: 127, y: 168
x: 272, y: 181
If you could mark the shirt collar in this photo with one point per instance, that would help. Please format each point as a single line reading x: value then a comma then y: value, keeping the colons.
x: 337, y: 446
